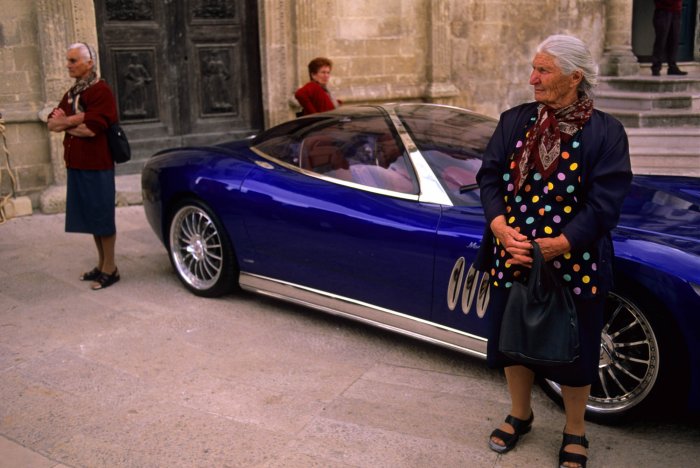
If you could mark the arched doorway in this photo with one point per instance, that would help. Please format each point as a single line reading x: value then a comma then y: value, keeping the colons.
x: 643, y: 30
x: 184, y: 72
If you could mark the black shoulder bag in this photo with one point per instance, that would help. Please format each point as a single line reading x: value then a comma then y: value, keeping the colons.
x: 118, y: 143
x: 539, y: 322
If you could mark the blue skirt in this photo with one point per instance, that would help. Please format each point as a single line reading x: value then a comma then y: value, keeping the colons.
x: 583, y: 371
x: 90, y: 201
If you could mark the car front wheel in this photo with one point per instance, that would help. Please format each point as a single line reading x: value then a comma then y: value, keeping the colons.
x: 200, y: 250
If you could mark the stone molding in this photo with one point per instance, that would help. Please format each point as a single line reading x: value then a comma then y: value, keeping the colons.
x: 618, y: 58
x: 55, y: 36
x: 439, y: 88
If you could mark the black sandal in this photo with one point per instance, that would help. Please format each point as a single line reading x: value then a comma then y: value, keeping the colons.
x: 568, y: 457
x: 105, y: 280
x: 520, y: 426
x: 91, y: 275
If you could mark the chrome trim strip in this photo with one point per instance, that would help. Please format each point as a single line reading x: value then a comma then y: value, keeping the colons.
x: 431, y: 191
x: 366, y: 188
x: 366, y: 313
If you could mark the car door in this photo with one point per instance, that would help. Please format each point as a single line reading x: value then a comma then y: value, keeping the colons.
x: 460, y: 292
x: 338, y: 212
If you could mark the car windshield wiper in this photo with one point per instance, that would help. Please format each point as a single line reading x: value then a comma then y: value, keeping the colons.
x: 468, y: 188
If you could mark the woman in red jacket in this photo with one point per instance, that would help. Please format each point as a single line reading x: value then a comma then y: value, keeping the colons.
x: 84, y: 113
x: 314, y: 96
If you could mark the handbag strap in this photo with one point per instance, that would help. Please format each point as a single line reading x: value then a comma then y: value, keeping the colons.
x: 542, y: 277
x: 534, y: 281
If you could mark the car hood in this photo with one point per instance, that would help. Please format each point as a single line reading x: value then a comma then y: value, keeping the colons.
x: 664, y: 209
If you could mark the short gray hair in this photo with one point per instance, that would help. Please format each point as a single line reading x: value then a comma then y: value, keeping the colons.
x: 86, y: 52
x: 572, y: 54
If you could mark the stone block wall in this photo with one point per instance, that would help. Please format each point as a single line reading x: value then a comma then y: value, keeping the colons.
x: 493, y: 43
x: 378, y: 49
x: 20, y: 100
x: 386, y: 51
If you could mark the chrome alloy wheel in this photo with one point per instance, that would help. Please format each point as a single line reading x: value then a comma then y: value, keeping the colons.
x: 196, y: 247
x: 629, y: 360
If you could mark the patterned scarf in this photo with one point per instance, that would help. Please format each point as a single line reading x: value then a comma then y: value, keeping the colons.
x: 80, y: 85
x: 543, y: 140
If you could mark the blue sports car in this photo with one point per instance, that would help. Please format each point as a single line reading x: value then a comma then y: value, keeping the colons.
x: 373, y: 213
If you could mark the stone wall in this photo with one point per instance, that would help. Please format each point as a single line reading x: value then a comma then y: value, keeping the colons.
x: 21, y: 96
x: 493, y: 45
x: 386, y: 51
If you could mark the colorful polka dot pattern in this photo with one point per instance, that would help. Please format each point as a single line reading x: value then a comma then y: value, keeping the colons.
x: 540, y: 209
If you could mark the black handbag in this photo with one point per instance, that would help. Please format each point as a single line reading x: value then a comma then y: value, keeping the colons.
x: 539, y: 322
x: 118, y: 144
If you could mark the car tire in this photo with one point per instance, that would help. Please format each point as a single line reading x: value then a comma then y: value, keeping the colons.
x: 642, y: 371
x: 200, y: 250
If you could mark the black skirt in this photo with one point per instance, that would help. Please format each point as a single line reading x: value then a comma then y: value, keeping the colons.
x: 583, y: 371
x: 90, y: 201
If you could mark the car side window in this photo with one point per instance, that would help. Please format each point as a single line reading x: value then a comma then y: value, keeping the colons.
x: 363, y: 150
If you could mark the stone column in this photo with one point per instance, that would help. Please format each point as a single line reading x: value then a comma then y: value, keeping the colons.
x: 440, y: 88
x: 62, y: 23
x: 275, y: 38
x: 618, y: 58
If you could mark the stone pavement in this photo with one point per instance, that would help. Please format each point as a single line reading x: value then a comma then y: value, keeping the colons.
x: 144, y: 374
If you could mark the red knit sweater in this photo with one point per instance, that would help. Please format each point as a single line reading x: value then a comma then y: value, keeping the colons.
x: 91, y: 153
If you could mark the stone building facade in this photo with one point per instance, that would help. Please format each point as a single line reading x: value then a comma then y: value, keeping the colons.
x: 470, y: 53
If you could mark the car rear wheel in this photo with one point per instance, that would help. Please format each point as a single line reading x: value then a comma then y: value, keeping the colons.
x: 634, y: 351
x: 200, y: 250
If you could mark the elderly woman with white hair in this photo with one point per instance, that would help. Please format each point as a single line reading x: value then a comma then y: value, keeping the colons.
x: 84, y: 114
x: 556, y: 172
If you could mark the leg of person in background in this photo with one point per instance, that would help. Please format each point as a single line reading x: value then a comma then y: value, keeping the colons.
x: 110, y: 273
x: 100, y: 252
x: 674, y: 33
x: 661, y: 30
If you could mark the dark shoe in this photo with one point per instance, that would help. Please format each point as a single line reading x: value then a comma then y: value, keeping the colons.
x: 520, y: 426
x: 568, y: 457
x: 105, y: 280
x: 91, y: 275
x: 676, y: 71
x: 655, y: 72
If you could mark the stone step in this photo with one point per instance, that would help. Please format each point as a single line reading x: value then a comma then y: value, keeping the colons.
x: 693, y: 68
x: 670, y: 151
x: 656, y: 118
x: 650, y: 84
x: 662, y: 161
x: 627, y: 100
x: 666, y: 138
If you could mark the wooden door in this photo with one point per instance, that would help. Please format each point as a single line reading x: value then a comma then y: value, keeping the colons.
x: 184, y: 72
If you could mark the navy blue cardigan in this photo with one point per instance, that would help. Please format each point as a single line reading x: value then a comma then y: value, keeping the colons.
x: 606, y: 175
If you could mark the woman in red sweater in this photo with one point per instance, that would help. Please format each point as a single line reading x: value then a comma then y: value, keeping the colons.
x: 314, y: 96
x: 84, y: 113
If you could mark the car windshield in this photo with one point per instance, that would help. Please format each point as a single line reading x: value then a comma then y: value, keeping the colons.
x: 362, y: 148
x: 452, y: 142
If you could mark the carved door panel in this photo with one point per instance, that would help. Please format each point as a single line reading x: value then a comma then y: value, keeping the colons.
x: 184, y: 72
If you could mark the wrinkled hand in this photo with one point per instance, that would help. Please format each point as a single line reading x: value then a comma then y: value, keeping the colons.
x: 552, y: 247
x: 57, y: 112
x: 515, y: 243
x: 520, y: 247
